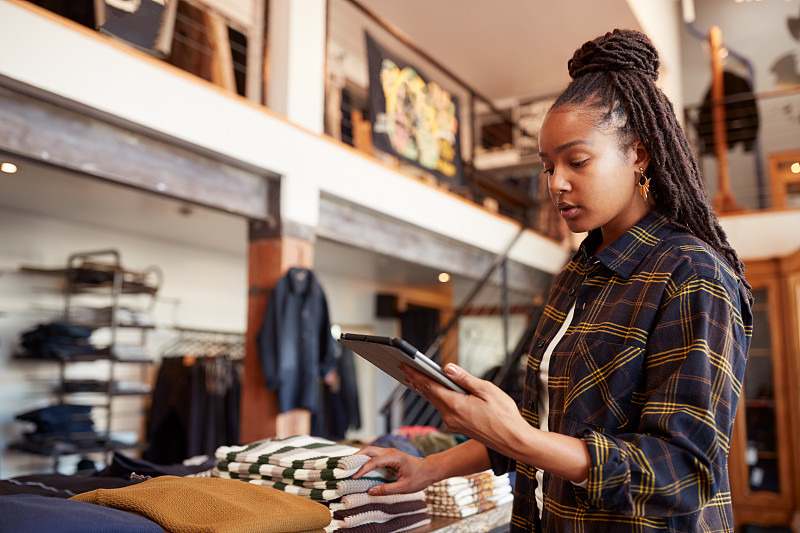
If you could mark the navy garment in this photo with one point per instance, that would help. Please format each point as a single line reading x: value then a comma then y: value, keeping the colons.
x: 65, y: 428
x: 60, y: 485
x: 123, y: 466
x: 62, y: 420
x: 195, y: 408
x: 340, y: 408
x: 57, y: 340
x: 295, y: 344
x: 30, y: 513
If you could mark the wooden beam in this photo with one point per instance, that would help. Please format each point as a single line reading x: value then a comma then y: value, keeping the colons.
x: 347, y: 223
x: 63, y: 133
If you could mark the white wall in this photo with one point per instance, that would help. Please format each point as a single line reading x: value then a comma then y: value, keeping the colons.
x: 764, y: 234
x: 203, y: 288
x: 661, y: 21
x: 297, y: 61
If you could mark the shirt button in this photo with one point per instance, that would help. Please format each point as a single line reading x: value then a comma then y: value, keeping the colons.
x: 572, y: 291
x: 541, y: 344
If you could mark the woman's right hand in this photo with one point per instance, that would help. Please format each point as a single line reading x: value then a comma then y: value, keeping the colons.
x: 412, y: 474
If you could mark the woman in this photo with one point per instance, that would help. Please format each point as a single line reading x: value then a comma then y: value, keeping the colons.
x: 637, y: 363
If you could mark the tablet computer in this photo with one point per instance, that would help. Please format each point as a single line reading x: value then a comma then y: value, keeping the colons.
x: 388, y: 353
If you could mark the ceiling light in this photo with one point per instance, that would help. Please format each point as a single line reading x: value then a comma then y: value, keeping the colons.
x: 795, y: 168
x: 9, y: 168
x: 444, y: 277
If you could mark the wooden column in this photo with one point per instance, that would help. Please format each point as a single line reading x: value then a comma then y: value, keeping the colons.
x: 725, y: 199
x: 202, y: 46
x: 270, y: 257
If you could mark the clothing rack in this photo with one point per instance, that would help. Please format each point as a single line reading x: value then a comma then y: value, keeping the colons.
x: 193, y: 342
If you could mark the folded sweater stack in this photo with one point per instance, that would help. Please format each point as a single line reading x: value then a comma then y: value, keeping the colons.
x: 362, y: 513
x: 312, y: 467
x: 184, y: 505
x: 459, y: 497
x: 322, y: 470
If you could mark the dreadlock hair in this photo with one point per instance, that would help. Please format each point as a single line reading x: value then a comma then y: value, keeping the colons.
x: 616, y: 73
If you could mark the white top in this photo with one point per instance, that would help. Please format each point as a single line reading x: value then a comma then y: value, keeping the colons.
x: 544, y: 399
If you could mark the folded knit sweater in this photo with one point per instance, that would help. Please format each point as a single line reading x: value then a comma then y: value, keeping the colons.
x: 314, y: 490
x: 213, y: 505
x: 268, y: 471
x: 351, y: 501
x: 395, y: 525
x: 377, y: 512
x: 301, y: 451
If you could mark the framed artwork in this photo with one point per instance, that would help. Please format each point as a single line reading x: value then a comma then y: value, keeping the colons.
x: 413, y: 118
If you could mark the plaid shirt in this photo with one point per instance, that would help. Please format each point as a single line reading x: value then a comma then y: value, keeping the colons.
x: 648, y: 375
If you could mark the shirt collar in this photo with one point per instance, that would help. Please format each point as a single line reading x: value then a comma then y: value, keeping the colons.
x: 624, y: 254
x: 299, y: 280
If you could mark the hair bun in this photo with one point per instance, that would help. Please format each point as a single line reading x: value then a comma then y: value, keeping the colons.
x: 619, y: 50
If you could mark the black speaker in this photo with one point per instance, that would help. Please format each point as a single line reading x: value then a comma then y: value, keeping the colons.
x: 386, y: 306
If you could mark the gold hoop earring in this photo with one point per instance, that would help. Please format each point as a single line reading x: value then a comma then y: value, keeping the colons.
x: 644, y: 184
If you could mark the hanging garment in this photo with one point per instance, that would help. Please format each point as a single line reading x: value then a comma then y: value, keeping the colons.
x: 741, y: 116
x: 195, y: 408
x: 295, y: 344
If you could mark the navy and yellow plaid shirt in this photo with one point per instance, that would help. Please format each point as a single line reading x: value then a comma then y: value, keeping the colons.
x: 648, y: 374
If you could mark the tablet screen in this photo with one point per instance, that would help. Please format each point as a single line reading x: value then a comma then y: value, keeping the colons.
x: 388, y: 353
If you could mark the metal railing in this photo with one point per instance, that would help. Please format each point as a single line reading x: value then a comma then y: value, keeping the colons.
x: 489, y: 305
x: 763, y: 142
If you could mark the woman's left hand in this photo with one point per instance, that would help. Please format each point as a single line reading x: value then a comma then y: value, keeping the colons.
x: 486, y: 414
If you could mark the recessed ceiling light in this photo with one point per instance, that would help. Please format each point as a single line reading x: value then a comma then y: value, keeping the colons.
x: 444, y: 277
x: 795, y: 168
x: 8, y: 168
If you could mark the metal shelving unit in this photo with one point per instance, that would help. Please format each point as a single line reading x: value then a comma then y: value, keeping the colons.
x: 98, y: 280
x: 116, y: 305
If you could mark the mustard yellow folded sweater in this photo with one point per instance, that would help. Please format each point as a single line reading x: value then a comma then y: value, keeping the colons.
x: 213, y: 505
